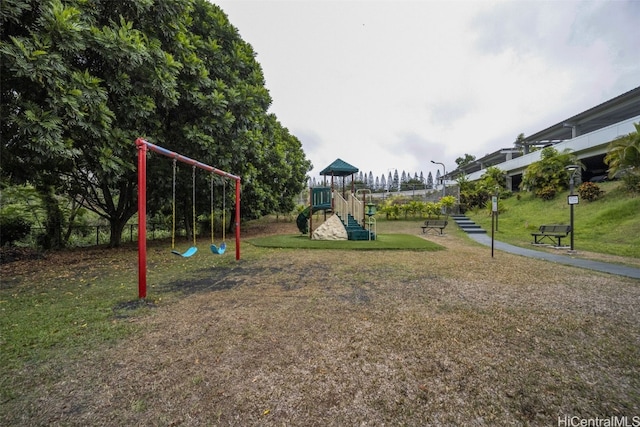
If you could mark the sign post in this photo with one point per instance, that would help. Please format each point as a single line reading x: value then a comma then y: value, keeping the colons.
x: 494, y: 213
x: 572, y: 200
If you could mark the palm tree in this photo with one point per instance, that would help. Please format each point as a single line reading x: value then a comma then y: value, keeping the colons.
x: 623, y: 156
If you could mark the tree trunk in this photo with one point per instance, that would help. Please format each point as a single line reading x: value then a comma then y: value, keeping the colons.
x: 119, y: 215
x: 116, y: 227
x: 52, y: 238
x: 72, y: 216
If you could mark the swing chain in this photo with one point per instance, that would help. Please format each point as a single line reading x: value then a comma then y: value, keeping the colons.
x: 212, y: 211
x: 194, y: 204
x: 224, y: 208
x: 173, y: 207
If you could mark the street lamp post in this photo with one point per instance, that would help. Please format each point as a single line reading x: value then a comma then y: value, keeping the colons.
x: 572, y: 199
x: 444, y: 172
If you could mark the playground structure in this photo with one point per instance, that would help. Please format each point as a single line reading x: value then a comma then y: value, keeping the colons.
x: 143, y: 146
x: 356, y: 215
x: 320, y: 200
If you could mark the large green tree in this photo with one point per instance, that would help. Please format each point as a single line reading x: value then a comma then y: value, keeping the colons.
x: 78, y: 83
x: 221, y: 119
x: 82, y: 79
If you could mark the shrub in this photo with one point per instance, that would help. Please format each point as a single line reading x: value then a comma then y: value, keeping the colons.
x: 631, y: 182
x: 431, y: 209
x: 546, y: 193
x: 589, y: 191
x: 549, y: 171
x: 476, y: 198
x: 13, y: 229
x: 447, y: 202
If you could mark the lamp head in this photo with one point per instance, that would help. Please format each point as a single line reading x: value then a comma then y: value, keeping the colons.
x: 572, y: 168
x: 371, y: 209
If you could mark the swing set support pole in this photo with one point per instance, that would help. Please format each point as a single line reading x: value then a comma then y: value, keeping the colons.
x: 237, y: 219
x: 142, y: 146
x: 142, y: 219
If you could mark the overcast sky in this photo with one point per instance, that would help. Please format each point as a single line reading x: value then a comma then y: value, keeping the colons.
x: 394, y: 84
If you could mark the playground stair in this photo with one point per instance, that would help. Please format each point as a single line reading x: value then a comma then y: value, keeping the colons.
x: 354, y: 230
x: 467, y: 225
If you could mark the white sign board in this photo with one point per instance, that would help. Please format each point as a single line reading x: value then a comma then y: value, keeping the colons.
x: 572, y: 200
x: 494, y: 204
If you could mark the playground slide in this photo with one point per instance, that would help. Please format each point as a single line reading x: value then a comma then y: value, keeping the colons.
x: 303, y: 221
x: 321, y: 201
x: 303, y: 218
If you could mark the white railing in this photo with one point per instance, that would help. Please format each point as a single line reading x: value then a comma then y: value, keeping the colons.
x: 357, y: 209
x: 353, y: 206
x: 340, y: 205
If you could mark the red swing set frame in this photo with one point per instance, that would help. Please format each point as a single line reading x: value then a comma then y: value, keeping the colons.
x: 143, y: 146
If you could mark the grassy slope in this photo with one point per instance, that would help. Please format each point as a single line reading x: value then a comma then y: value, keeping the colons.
x: 610, y: 225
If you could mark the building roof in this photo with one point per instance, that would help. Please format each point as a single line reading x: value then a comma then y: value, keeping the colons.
x: 615, y: 110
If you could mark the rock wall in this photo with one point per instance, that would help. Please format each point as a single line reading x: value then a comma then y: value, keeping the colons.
x: 331, y: 229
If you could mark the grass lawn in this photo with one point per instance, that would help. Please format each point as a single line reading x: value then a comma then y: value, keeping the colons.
x: 294, y: 336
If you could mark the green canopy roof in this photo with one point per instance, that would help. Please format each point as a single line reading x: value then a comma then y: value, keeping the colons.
x: 339, y: 168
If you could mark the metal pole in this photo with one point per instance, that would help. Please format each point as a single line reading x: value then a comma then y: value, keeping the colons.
x: 444, y: 187
x: 573, y: 169
x: 497, y: 210
x: 444, y: 172
x: 493, y: 216
x: 310, y: 213
x: 142, y: 219
x: 571, y: 183
x: 237, y: 219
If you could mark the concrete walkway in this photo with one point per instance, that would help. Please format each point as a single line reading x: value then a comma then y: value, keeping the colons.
x: 605, y: 267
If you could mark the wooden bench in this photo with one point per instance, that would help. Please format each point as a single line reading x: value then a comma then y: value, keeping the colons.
x: 552, y: 232
x: 433, y: 224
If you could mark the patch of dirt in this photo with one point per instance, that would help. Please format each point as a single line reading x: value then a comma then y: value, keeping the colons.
x: 134, y: 305
x: 266, y: 227
x: 10, y: 254
x: 294, y: 337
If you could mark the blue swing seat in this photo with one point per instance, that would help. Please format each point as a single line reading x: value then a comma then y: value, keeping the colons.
x: 192, y: 250
x: 219, y: 250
